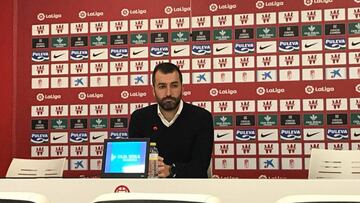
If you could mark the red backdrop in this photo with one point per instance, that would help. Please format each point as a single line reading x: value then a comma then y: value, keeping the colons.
x: 6, y: 84
x: 232, y: 95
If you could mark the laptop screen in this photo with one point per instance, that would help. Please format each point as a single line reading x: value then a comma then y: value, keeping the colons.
x: 125, y: 158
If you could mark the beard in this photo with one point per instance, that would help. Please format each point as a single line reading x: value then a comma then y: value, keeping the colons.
x: 168, y: 103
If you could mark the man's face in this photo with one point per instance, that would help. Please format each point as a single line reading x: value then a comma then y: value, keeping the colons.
x: 168, y: 90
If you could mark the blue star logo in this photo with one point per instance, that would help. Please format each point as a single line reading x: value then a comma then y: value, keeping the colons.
x: 79, y: 164
x: 335, y: 73
x: 269, y: 163
x: 139, y: 79
x: 266, y: 75
x: 201, y: 77
x: 79, y: 81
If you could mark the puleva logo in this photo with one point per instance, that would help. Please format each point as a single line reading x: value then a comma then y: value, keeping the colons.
x: 200, y: 50
x: 79, y: 137
x: 245, y: 135
x: 159, y: 51
x: 337, y: 134
x: 244, y: 48
x: 39, y: 138
x: 118, y: 53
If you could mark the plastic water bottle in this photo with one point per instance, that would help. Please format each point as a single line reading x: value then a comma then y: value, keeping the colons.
x: 153, y: 158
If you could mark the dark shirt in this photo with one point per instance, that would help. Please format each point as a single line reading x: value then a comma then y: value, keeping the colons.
x: 187, y: 143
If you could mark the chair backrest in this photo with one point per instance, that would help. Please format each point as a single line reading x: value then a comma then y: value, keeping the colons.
x: 155, y: 198
x: 341, y: 164
x: 320, y: 199
x: 36, y: 168
x: 22, y: 197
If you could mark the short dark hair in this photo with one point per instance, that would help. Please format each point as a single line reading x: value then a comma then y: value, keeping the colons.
x: 166, y: 68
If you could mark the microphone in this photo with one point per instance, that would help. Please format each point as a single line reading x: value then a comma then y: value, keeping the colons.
x: 155, y: 128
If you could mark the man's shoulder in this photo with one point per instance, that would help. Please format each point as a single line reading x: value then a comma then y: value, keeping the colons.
x: 196, y: 109
x: 146, y: 110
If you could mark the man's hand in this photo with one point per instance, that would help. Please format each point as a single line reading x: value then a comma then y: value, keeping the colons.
x: 163, y: 169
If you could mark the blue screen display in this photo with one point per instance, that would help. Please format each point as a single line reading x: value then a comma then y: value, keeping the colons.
x: 125, y: 157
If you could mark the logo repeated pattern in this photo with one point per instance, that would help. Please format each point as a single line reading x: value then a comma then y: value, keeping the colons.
x: 268, y: 50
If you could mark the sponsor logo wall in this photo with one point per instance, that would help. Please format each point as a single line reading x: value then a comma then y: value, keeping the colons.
x: 280, y: 78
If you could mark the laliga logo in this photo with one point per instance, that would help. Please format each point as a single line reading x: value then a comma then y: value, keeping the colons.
x: 82, y: 95
x: 124, y: 94
x: 213, y: 7
x: 309, y: 89
x: 122, y: 188
x: 125, y: 12
x: 260, y: 90
x: 82, y: 14
x: 308, y: 2
x: 168, y: 10
x: 260, y: 4
x: 357, y: 88
x: 262, y: 177
x: 40, y: 97
x: 214, y: 92
x: 41, y: 16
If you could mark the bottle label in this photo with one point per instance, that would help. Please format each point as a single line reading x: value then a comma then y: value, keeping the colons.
x: 153, y: 157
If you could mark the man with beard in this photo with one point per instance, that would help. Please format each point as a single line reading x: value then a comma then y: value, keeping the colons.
x: 183, y: 133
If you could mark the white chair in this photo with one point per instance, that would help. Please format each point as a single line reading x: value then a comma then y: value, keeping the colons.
x: 320, y: 198
x: 155, y: 197
x: 22, y: 197
x: 341, y: 164
x: 36, y: 168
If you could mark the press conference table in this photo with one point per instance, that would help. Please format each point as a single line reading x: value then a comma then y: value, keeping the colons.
x: 228, y: 190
